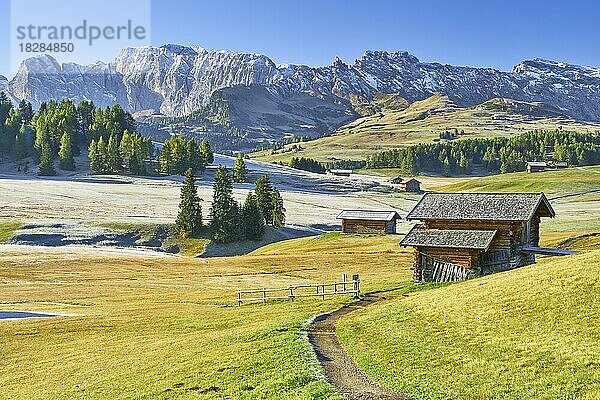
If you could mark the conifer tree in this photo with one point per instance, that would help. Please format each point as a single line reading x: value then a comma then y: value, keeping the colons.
x: 189, y: 218
x: 207, y: 152
x: 93, y: 156
x: 46, y: 167
x: 264, y: 193
x: 65, y: 153
x: 113, y: 156
x: 225, y: 210
x: 20, y: 147
x: 101, y: 156
x: 278, y: 209
x: 252, y: 219
x: 240, y: 172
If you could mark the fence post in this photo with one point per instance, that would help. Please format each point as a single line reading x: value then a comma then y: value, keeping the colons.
x: 239, y: 298
x: 356, y: 281
x: 292, y: 293
x: 344, y: 277
x: 264, y: 295
x: 323, y: 290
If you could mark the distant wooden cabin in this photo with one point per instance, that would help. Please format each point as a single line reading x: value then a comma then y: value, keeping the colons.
x: 411, y: 185
x: 365, y: 221
x: 397, y: 180
x: 561, y: 165
x: 463, y: 235
x: 536, y: 166
x: 340, y: 172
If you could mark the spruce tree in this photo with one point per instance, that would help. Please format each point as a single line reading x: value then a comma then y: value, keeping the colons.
x: 46, y: 167
x: 65, y: 153
x: 189, y: 218
x: 264, y: 193
x: 225, y: 210
x: 252, y: 219
x: 240, y: 172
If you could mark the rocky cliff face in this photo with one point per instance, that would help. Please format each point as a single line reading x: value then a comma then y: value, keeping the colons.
x: 175, y: 81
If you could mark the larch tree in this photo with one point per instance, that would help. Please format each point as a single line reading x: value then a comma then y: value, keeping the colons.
x: 65, y: 153
x: 224, y: 210
x: 252, y: 219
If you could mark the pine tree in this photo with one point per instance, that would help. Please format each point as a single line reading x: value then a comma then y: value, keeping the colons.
x: 20, y: 147
x: 113, y: 156
x: 207, y: 152
x: 225, y: 210
x: 65, y: 153
x: 93, y: 156
x: 253, y: 221
x: 189, y: 218
x: 240, y: 172
x: 264, y: 194
x: 46, y: 167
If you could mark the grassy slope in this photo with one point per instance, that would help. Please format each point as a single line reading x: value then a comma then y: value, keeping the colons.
x: 525, y: 334
x: 419, y: 123
x: 158, y: 328
x: 7, y: 229
x: 574, y: 193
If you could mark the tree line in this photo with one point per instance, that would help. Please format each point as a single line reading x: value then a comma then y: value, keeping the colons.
x: 60, y: 130
x: 229, y: 220
x: 494, y: 154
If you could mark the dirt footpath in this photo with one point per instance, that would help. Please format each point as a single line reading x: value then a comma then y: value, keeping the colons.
x: 340, y: 370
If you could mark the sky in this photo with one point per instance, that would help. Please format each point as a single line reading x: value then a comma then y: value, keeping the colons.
x: 496, y: 34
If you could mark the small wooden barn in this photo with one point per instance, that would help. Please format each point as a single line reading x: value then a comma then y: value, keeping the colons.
x: 463, y: 235
x: 536, y: 166
x: 411, y: 185
x: 366, y: 221
x: 397, y: 180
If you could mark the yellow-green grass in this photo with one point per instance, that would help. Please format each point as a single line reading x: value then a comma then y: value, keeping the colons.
x: 421, y: 122
x: 8, y: 228
x: 531, y: 333
x: 573, y: 192
x: 166, y: 327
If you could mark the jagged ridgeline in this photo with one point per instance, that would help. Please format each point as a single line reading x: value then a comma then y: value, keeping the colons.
x: 245, y: 100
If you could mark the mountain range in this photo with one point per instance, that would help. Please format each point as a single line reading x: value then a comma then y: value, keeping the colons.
x: 248, y: 95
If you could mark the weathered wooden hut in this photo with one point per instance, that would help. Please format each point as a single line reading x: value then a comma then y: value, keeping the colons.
x: 463, y: 235
x: 366, y: 221
x: 536, y: 166
x: 396, y: 180
x: 411, y: 185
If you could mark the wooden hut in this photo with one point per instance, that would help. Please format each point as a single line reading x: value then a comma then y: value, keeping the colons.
x: 462, y: 235
x: 397, y: 180
x: 365, y: 221
x: 411, y: 185
x: 536, y: 166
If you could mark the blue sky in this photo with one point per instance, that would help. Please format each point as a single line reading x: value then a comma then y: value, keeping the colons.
x: 489, y: 33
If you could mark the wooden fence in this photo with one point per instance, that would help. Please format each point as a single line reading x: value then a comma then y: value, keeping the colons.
x: 297, y: 291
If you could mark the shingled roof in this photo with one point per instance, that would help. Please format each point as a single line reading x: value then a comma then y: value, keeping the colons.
x: 481, y: 206
x: 453, y: 238
x: 368, y: 215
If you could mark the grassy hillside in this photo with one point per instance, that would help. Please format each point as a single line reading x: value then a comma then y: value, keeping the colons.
x: 422, y: 121
x: 167, y: 328
x: 530, y: 333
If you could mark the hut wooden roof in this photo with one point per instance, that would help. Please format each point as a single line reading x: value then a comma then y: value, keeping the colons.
x: 481, y: 206
x: 368, y: 215
x: 452, y: 238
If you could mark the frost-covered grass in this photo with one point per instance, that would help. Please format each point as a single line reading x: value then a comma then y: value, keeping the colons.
x: 8, y: 228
